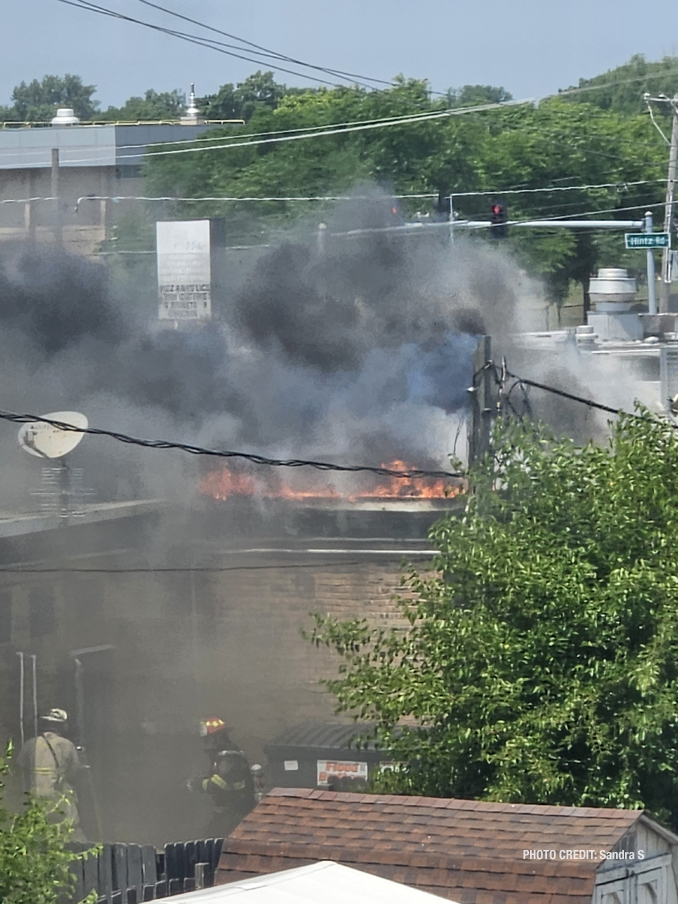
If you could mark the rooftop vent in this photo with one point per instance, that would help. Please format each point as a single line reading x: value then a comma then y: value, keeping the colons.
x: 65, y: 117
x: 613, y: 293
x: 613, y: 290
x: 192, y: 115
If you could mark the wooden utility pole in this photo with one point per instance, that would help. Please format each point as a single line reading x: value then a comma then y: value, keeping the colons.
x: 665, y: 285
x: 481, y: 401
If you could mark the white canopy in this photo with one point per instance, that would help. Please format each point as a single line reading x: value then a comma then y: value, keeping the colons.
x: 320, y: 883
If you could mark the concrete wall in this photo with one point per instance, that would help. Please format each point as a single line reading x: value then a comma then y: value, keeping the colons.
x: 84, y: 228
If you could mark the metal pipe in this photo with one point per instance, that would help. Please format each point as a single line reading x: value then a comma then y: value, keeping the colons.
x: 21, y: 697
x: 35, y: 694
x: 80, y: 727
x: 580, y: 224
x: 649, y: 257
x: 485, y: 224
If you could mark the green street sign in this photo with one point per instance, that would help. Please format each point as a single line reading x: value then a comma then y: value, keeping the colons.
x: 647, y: 239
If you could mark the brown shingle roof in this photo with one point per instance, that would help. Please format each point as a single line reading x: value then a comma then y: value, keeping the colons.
x: 468, y: 851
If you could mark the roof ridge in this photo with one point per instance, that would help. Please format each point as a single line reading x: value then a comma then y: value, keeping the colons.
x: 452, y: 803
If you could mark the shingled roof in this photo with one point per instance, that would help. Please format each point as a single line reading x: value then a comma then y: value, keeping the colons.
x: 467, y: 851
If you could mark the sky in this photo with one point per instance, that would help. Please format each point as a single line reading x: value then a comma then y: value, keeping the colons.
x: 529, y: 47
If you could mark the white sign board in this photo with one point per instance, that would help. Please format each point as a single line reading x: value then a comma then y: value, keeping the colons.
x: 184, y: 270
x: 329, y: 769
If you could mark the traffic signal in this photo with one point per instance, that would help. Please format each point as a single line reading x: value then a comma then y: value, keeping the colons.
x: 499, y: 219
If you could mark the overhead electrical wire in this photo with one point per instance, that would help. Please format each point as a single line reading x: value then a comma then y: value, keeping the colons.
x: 400, y: 197
x: 4, y: 569
x: 330, y: 129
x: 265, y: 50
x: 90, y: 6
x: 320, y: 132
x: 252, y: 458
x: 209, y: 43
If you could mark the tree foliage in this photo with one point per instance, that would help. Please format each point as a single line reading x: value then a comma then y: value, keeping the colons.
x: 259, y: 91
x: 556, y: 145
x: 622, y: 89
x: 38, y: 101
x: 34, y: 858
x: 540, y: 661
x: 477, y: 94
x: 153, y: 105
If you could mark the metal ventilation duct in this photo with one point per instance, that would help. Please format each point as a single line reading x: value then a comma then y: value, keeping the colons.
x: 65, y: 117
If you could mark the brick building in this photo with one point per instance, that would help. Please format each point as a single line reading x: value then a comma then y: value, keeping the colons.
x: 183, y: 630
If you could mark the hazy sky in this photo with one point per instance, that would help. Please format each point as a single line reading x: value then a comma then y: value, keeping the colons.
x: 530, y: 47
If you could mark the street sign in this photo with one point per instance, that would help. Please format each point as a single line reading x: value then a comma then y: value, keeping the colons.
x: 647, y: 239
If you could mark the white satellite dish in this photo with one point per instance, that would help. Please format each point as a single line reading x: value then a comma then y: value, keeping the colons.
x: 46, y: 441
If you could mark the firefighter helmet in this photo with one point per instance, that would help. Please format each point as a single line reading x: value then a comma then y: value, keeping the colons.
x: 56, y: 715
x: 211, y: 725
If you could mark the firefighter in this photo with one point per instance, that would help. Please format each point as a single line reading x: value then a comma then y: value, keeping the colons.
x: 50, y: 766
x: 229, y: 782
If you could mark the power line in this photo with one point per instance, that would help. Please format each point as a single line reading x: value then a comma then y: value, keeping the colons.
x: 267, y: 51
x: 400, y: 197
x: 179, y: 570
x: 330, y: 129
x: 209, y: 43
x: 524, y: 381
x: 334, y: 198
x: 215, y: 45
x: 410, y: 474
x: 623, y: 81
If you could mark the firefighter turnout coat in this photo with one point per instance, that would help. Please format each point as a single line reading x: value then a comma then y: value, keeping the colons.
x: 50, y: 764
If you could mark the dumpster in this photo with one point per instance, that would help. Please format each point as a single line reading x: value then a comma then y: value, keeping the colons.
x: 324, y: 755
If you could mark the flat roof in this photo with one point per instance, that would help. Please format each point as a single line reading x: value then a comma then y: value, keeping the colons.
x: 18, y: 524
x: 89, y: 145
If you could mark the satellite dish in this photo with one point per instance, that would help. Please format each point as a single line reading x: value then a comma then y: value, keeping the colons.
x: 46, y: 441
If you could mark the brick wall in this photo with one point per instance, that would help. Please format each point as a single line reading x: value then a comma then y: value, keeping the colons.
x: 222, y: 643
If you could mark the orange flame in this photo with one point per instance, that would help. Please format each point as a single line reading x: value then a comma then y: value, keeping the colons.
x: 224, y: 484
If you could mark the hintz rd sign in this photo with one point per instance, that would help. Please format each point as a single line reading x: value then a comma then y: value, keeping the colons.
x: 647, y: 239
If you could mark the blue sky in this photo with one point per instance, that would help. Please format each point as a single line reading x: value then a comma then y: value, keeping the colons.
x: 530, y: 47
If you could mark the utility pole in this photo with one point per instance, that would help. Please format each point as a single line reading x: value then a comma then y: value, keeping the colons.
x: 665, y: 287
x: 481, y: 401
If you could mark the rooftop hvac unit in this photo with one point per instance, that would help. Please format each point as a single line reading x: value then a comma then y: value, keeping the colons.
x: 613, y: 293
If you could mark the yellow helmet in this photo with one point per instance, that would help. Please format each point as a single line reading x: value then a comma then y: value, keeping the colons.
x: 209, y: 726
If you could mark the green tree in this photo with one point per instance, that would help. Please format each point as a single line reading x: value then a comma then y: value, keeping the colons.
x: 622, y: 89
x: 557, y: 144
x: 38, y: 101
x: 34, y: 858
x: 152, y: 106
x: 540, y: 661
x: 258, y: 92
x: 471, y: 95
